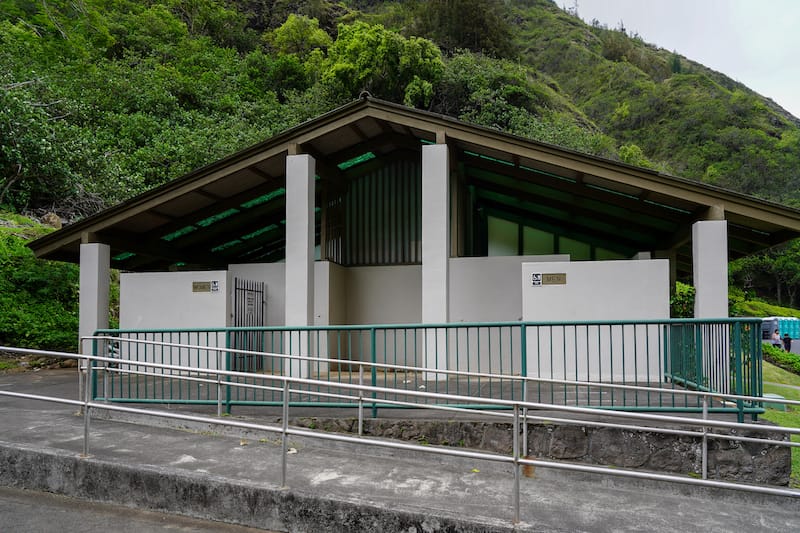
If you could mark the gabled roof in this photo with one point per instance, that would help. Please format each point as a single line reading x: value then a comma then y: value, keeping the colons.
x: 232, y: 210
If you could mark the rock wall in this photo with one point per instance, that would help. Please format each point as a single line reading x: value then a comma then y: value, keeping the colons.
x: 728, y: 460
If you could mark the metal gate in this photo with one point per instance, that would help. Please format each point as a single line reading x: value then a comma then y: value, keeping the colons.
x: 249, y: 307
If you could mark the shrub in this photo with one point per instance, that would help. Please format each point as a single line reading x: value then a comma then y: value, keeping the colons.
x: 682, y: 302
x: 38, y: 299
x: 785, y: 360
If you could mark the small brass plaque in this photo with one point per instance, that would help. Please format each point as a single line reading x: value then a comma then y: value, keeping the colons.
x: 201, y: 286
x: 554, y: 279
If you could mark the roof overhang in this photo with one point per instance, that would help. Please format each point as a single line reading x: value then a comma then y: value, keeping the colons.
x: 608, y: 203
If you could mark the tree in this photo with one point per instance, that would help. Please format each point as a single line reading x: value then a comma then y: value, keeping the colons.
x: 675, y: 63
x: 773, y: 275
x: 212, y: 18
x: 299, y: 35
x: 477, y: 25
x: 471, y: 80
x: 633, y: 155
x: 383, y: 62
x: 786, y: 270
x: 34, y: 149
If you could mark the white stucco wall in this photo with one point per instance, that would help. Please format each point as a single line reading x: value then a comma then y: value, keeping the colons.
x: 165, y: 300
x: 338, y: 294
x: 384, y: 295
x: 162, y: 300
x: 596, y: 291
x: 485, y: 289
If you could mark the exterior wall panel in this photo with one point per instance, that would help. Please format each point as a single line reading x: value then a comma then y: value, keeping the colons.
x: 382, y: 217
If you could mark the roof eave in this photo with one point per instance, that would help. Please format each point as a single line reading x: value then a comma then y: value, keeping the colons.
x: 742, y: 205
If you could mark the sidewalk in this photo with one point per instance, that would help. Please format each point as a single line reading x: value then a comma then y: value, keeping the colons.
x: 333, y: 486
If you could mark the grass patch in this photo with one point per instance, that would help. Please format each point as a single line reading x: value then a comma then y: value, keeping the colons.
x: 780, y: 377
x: 8, y: 365
x: 791, y: 417
x: 758, y: 308
x: 20, y: 226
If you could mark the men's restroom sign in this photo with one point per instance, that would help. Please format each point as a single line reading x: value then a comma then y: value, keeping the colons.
x: 538, y: 279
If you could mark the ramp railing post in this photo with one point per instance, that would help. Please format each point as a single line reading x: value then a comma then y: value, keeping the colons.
x: 228, y: 367
x: 110, y: 352
x: 360, y: 401
x: 516, y: 463
x: 284, y: 432
x: 86, y: 399
x: 219, y: 383
x: 705, y: 438
x: 374, y: 359
x: 523, y: 340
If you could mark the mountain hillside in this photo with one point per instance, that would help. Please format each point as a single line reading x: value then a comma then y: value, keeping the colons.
x: 695, y: 122
x: 103, y: 99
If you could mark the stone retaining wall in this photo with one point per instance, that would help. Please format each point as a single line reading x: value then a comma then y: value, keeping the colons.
x: 728, y: 460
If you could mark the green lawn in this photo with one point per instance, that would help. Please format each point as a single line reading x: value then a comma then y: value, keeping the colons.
x: 790, y: 418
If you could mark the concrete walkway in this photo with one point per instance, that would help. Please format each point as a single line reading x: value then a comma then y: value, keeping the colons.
x: 335, y: 487
x: 795, y: 387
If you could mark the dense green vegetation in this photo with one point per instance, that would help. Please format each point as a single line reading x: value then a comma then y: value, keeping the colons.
x: 685, y: 119
x: 38, y: 300
x: 787, y: 384
x: 774, y: 274
x: 103, y: 99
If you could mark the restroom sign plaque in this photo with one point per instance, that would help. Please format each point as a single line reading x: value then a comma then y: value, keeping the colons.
x: 201, y: 286
x: 538, y: 279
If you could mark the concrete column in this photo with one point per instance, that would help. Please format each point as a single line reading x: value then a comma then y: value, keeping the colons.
x: 435, y: 252
x: 93, y: 293
x: 710, y: 266
x: 300, y: 172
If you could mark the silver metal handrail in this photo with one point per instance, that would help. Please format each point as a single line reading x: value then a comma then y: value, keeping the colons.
x: 519, y: 416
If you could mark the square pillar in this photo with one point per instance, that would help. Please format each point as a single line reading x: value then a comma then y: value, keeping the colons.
x: 300, y: 172
x: 710, y: 268
x: 95, y: 268
x: 435, y: 252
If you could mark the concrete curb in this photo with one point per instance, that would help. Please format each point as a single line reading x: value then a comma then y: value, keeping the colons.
x: 204, y: 471
x: 601, y: 482
x: 214, y: 498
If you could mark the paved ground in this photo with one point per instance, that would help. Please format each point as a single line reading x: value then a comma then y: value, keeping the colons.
x: 40, y: 512
x: 795, y: 387
x: 335, y: 487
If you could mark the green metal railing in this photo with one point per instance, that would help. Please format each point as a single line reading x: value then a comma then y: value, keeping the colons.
x: 632, y: 365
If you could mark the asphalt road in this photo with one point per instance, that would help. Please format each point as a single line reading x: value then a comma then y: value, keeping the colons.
x: 38, y: 512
